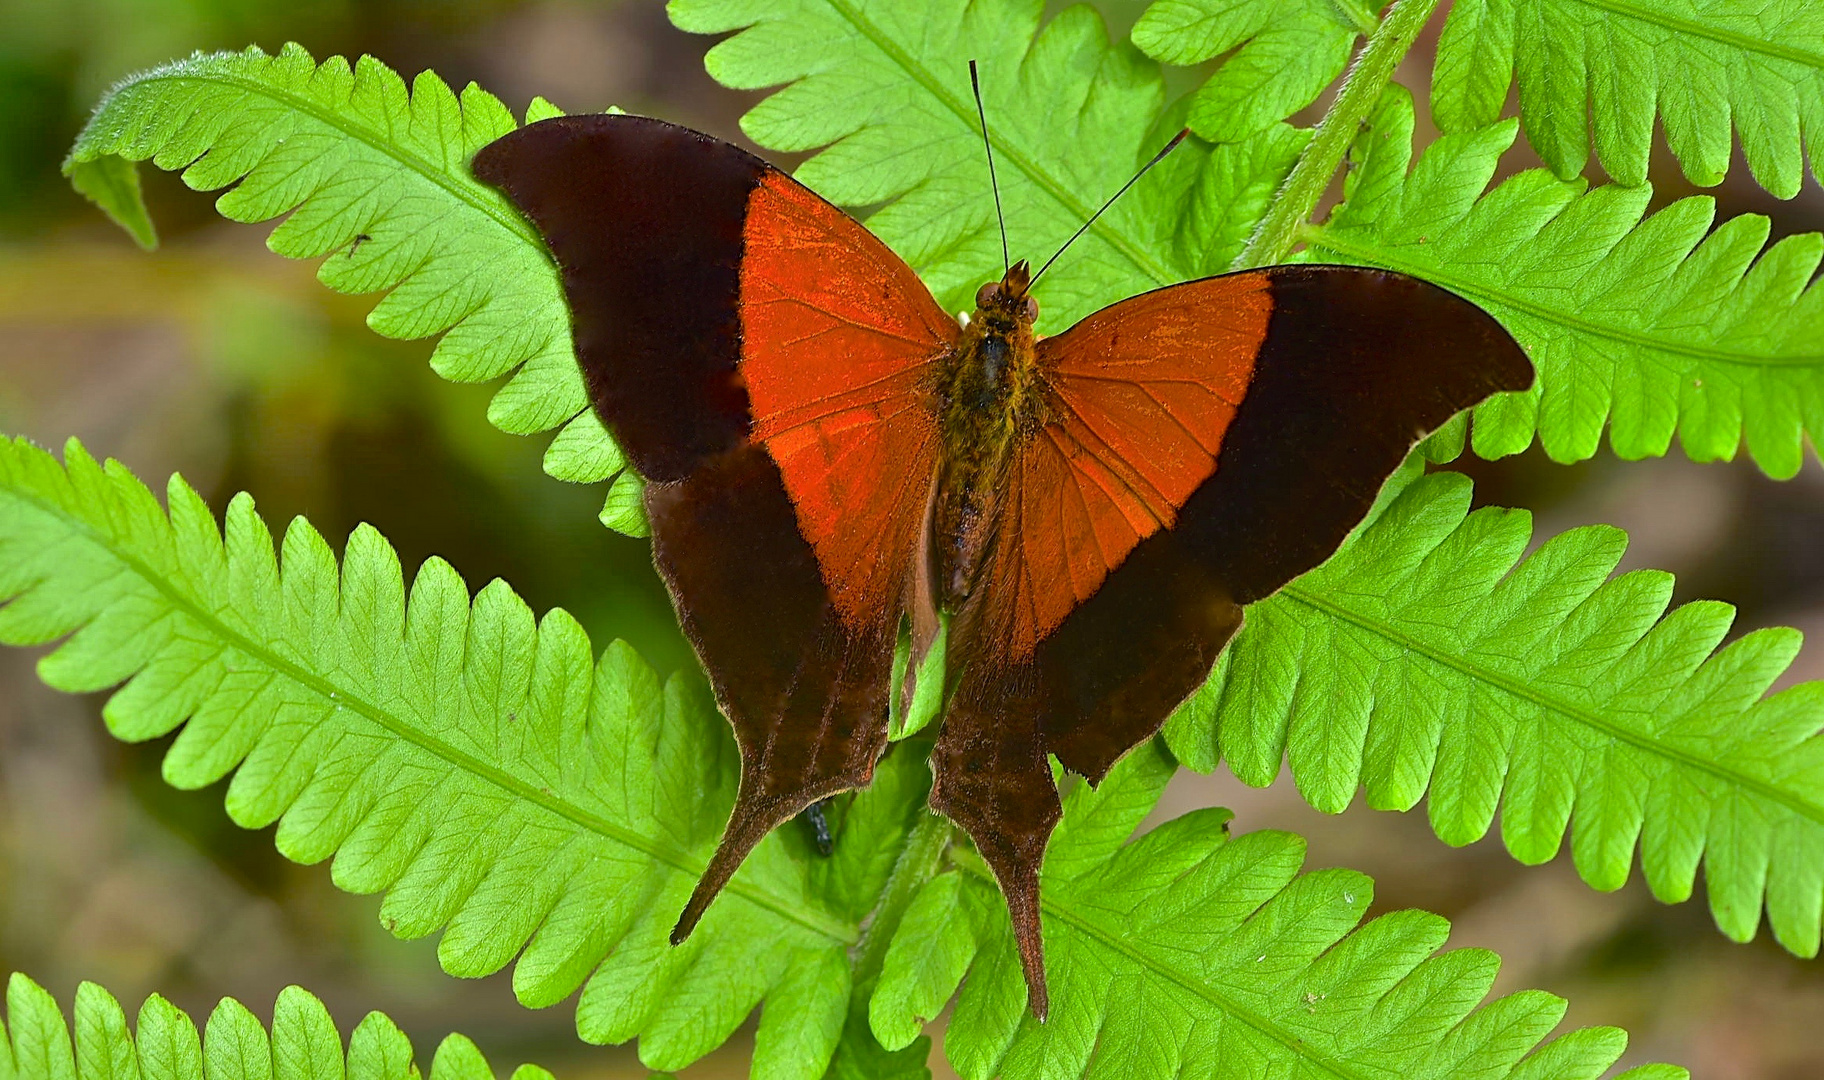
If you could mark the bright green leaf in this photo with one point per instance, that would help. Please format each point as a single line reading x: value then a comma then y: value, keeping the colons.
x: 235, y: 1046
x: 169, y: 1046
x: 1231, y: 193
x: 304, y: 1044
x: 625, y: 511
x: 378, y: 1050
x: 104, y: 1047
x: 907, y: 718
x: 885, y: 87
x: 1285, y: 53
x: 458, y: 1058
x: 40, y: 1041
x: 348, y: 152
x: 1702, y: 68
x: 1182, y: 952
x: 469, y: 761
x: 112, y: 183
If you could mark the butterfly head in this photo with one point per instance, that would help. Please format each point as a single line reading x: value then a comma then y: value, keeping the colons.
x: 1005, y: 304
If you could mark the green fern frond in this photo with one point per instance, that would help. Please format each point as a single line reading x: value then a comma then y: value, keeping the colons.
x: 1614, y: 66
x: 303, y: 1042
x: 1650, y: 326
x: 1427, y: 659
x: 1284, y: 53
x: 348, y: 152
x: 885, y: 87
x: 1626, y: 329
x: 469, y: 760
x: 1185, y: 952
x: 351, y: 153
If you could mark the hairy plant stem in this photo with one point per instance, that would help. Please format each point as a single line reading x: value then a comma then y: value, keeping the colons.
x: 1362, y: 18
x: 917, y: 862
x: 1297, y: 197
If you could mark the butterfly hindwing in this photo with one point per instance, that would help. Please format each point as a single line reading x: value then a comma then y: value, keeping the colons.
x: 760, y: 357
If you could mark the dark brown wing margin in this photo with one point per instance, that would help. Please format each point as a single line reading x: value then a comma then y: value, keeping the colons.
x: 1357, y: 365
x: 645, y: 220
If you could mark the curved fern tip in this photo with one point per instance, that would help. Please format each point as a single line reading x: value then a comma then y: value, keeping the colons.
x: 323, y: 145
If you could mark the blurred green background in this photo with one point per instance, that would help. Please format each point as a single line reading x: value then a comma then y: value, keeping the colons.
x: 218, y: 359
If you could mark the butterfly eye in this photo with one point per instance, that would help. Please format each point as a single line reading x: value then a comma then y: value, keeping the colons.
x: 985, y: 294
x: 1032, y: 309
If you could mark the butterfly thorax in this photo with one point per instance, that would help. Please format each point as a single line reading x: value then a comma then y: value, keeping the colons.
x: 990, y: 396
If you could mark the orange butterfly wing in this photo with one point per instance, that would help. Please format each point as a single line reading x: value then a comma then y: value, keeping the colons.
x: 838, y: 338
x: 1141, y: 395
x: 767, y: 365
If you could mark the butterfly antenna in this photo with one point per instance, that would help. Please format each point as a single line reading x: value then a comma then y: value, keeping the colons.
x: 1157, y: 158
x: 975, y: 83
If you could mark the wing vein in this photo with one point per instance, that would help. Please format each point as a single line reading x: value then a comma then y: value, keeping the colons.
x: 868, y: 328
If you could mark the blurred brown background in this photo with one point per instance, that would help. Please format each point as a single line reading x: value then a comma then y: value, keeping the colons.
x: 218, y: 359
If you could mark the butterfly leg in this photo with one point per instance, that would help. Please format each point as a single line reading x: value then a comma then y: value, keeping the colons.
x: 815, y: 816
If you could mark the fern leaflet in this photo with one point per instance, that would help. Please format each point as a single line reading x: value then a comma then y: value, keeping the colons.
x: 1614, y: 66
x: 887, y: 84
x: 1422, y: 659
x: 469, y: 761
x: 1650, y: 327
x: 1284, y: 53
x: 346, y: 152
x: 303, y: 1042
x: 1183, y: 952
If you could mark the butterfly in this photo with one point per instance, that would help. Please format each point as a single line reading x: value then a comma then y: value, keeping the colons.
x: 832, y: 460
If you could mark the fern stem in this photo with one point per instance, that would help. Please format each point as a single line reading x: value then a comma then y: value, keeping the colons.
x: 1360, y: 17
x: 1297, y: 197
x: 917, y: 862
